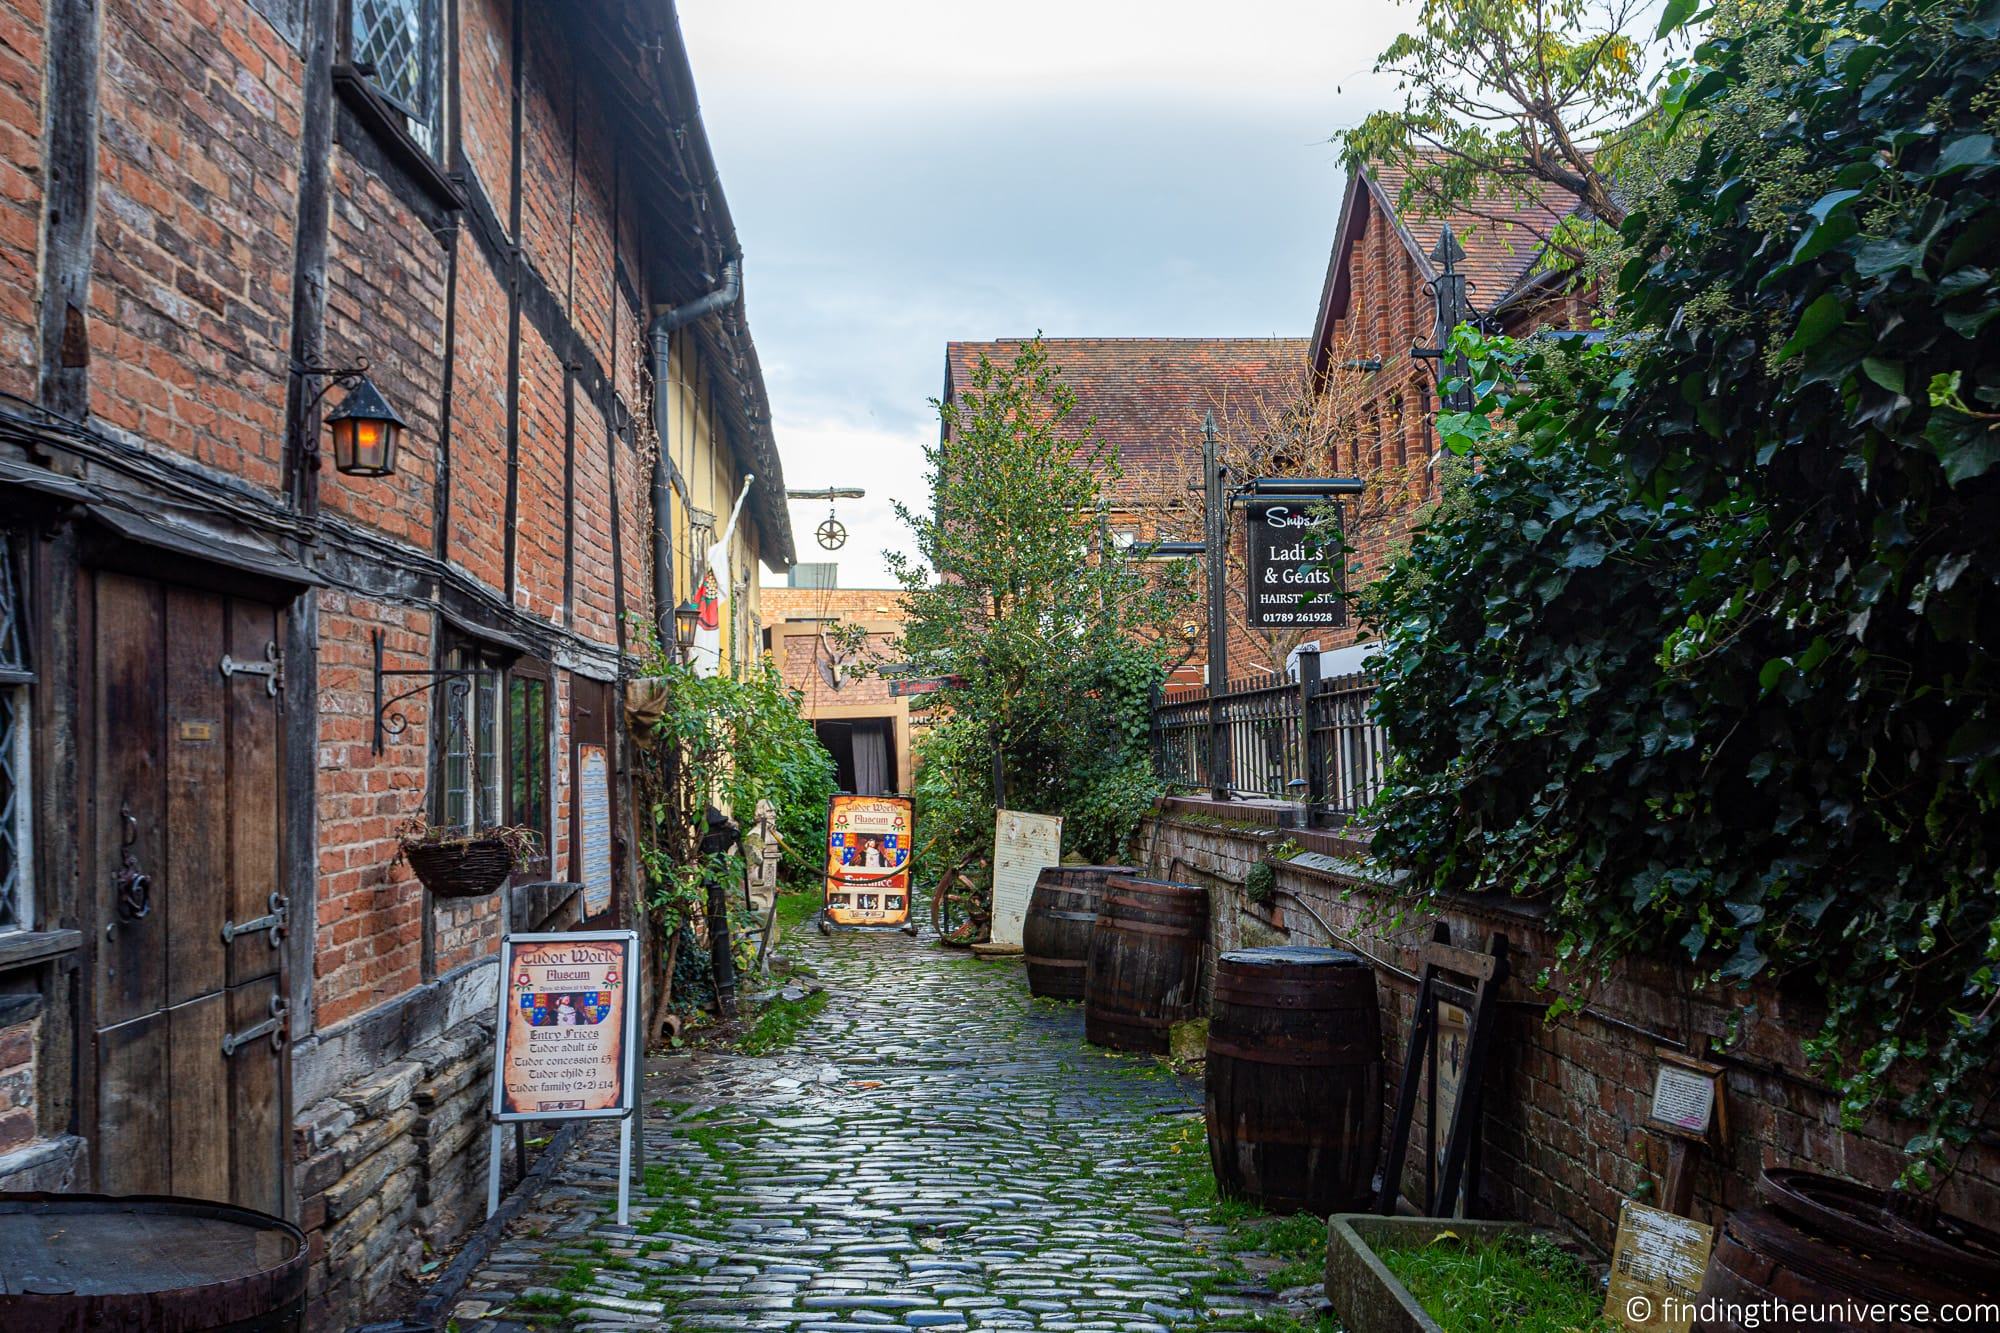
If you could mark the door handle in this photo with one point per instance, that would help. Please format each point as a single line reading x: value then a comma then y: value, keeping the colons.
x: 135, y: 886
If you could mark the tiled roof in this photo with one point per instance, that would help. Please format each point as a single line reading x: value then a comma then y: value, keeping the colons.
x: 1501, y: 237
x: 1148, y: 395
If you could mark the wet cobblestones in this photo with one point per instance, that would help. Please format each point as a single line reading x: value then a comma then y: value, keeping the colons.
x: 936, y: 1151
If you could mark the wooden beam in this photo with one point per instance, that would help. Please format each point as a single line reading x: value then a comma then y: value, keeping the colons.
x: 69, y: 205
x: 315, y: 206
x: 514, y: 307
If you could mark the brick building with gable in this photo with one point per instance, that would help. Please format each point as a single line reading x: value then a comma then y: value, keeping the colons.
x: 1148, y: 396
x: 230, y: 671
x: 1376, y: 304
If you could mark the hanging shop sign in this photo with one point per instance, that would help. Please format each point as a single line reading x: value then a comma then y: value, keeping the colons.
x: 1023, y: 846
x: 1294, y: 563
x: 568, y: 1038
x: 869, y: 840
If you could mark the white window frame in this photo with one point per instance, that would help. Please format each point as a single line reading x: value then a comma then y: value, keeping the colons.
x: 481, y: 700
x: 17, y: 682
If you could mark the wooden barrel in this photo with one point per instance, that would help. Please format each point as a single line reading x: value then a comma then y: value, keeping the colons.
x: 140, y: 1262
x: 1144, y: 974
x: 1837, y: 1245
x: 1294, y: 1087
x: 1055, y: 939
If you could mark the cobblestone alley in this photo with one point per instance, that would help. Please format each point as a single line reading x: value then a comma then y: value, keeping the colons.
x: 936, y: 1150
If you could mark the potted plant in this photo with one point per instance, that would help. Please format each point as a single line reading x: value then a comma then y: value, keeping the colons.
x: 454, y: 864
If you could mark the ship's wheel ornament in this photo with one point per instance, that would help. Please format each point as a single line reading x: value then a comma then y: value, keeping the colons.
x: 831, y: 534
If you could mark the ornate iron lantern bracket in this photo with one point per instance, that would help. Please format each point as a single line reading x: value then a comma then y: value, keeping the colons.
x: 329, y: 377
x: 390, y: 720
x: 1449, y: 295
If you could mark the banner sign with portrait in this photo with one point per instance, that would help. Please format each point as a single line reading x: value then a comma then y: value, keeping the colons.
x: 869, y: 840
x: 568, y: 1026
x: 1295, y: 578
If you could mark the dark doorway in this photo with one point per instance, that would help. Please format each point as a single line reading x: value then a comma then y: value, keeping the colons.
x: 864, y: 753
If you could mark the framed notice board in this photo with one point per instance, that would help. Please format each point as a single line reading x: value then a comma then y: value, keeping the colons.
x: 568, y: 1033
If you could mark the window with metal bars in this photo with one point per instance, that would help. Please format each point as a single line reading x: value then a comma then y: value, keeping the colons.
x: 17, y: 860
x: 397, y: 46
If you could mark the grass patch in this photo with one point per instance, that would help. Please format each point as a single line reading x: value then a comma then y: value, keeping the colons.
x: 797, y: 908
x: 779, y: 1023
x: 535, y: 1302
x: 1187, y: 1185
x: 1512, y: 1283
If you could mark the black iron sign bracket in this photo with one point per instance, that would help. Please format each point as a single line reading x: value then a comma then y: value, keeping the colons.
x: 457, y: 682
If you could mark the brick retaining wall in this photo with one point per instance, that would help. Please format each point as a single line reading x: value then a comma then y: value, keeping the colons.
x: 1565, y: 1135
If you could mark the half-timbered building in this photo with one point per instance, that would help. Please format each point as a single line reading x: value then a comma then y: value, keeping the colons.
x: 233, y: 664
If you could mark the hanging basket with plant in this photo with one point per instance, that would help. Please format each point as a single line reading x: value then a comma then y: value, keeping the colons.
x: 453, y: 864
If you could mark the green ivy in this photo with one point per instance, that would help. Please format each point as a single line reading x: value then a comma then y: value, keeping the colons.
x: 1702, y: 650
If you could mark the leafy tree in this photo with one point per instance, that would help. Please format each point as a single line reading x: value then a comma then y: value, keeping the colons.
x: 727, y: 741
x: 1053, y: 640
x: 1702, y: 650
x: 1503, y: 99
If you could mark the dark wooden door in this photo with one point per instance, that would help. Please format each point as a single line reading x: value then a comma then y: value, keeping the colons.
x: 182, y: 834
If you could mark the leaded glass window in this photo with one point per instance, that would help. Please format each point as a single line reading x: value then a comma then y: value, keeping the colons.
x: 471, y: 764
x: 396, y: 44
x: 17, y: 859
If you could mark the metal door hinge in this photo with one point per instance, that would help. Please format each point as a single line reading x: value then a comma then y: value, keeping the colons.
x: 274, y: 1027
x: 272, y: 668
x: 273, y: 921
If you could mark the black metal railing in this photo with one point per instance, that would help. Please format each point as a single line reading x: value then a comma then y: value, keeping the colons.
x: 1308, y: 740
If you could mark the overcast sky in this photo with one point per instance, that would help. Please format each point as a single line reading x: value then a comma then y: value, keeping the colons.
x: 907, y: 172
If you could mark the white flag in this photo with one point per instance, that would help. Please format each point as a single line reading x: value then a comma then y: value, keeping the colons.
x: 712, y: 597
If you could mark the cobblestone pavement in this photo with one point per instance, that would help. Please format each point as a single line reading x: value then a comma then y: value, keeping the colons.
x: 935, y: 1151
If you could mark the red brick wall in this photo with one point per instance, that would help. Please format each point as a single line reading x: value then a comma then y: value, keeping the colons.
x: 485, y: 80
x: 592, y: 597
x: 476, y: 539
x: 18, y: 1042
x: 197, y: 192
x: 385, y: 307
x: 538, y: 531
x: 21, y: 26
x: 370, y: 931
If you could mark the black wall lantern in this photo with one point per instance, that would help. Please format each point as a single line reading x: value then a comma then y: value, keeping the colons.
x: 687, y: 616
x: 366, y: 431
